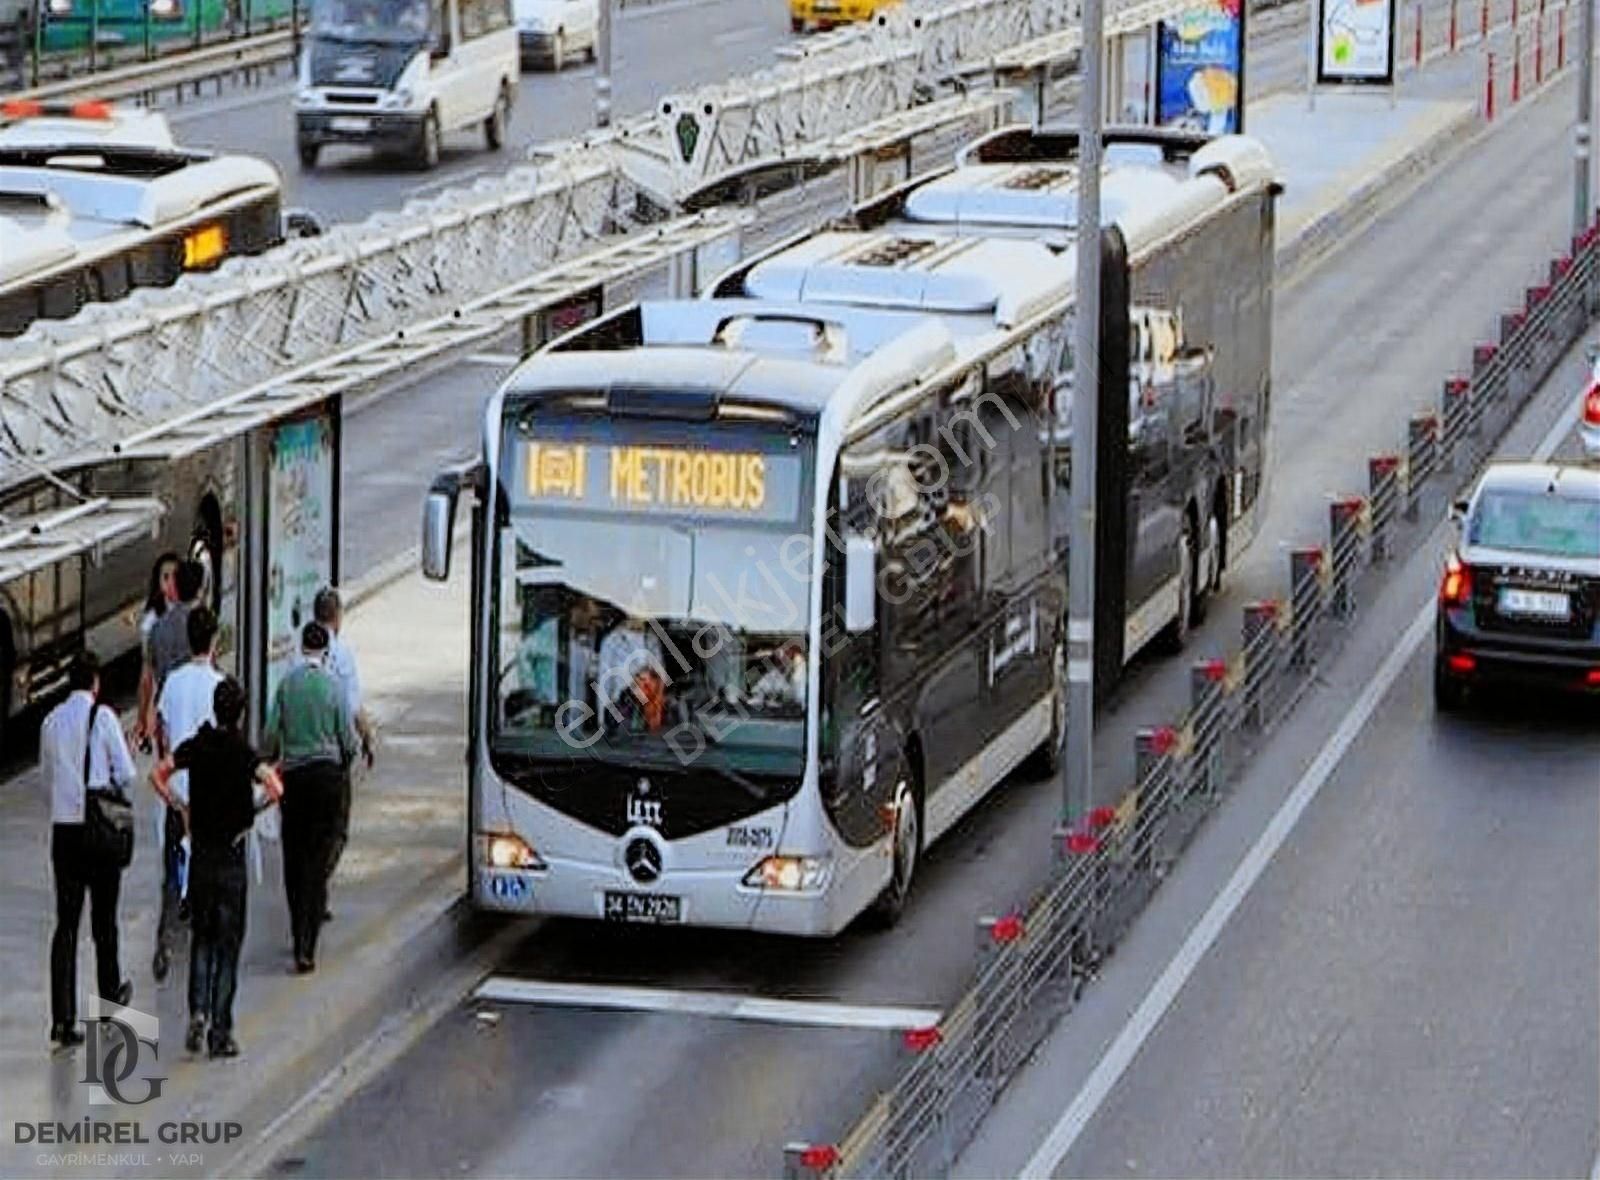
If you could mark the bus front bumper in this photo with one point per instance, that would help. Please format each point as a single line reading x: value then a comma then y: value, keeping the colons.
x: 704, y: 898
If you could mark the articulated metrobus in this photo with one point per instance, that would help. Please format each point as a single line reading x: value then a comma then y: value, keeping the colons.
x: 95, y: 201
x: 768, y: 587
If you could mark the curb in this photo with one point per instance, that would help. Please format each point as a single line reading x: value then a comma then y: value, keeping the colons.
x: 1396, y: 182
x: 1375, y: 195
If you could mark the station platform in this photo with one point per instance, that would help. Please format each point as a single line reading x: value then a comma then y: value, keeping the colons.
x: 400, y: 926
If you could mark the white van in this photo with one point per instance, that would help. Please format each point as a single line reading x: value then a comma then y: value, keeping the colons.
x: 551, y: 31
x: 396, y: 75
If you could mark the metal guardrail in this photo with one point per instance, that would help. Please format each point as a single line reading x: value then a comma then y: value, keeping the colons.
x: 172, y: 71
x: 1034, y: 963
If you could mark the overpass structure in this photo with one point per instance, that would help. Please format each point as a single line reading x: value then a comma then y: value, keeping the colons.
x: 168, y: 371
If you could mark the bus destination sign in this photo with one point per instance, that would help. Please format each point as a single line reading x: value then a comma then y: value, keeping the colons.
x: 677, y: 481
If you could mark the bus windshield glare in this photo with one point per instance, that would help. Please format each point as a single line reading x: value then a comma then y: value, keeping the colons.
x: 371, y: 20
x: 653, y: 591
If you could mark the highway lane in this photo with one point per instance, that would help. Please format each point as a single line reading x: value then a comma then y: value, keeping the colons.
x: 1412, y: 987
x: 659, y: 48
x: 668, y: 46
x: 560, y: 1092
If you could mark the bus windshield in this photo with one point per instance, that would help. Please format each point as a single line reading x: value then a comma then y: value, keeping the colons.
x: 653, y: 595
x: 396, y: 21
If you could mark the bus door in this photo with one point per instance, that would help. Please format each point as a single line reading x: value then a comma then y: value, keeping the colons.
x: 1017, y: 665
x: 1155, y: 505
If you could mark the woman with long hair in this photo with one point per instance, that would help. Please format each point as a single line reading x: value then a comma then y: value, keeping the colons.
x: 162, y: 593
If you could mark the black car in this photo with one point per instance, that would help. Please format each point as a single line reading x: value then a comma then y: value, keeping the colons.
x: 1519, y: 602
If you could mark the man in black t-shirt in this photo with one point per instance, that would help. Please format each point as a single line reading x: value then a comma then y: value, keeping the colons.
x: 223, y: 772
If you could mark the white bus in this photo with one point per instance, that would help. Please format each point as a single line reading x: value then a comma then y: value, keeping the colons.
x: 96, y: 200
x: 398, y: 75
x: 769, y: 588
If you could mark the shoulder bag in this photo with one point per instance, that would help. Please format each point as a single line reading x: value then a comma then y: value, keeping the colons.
x: 107, y: 814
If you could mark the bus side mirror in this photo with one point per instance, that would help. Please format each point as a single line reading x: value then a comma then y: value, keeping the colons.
x: 438, y: 526
x: 301, y: 223
x: 860, y: 584
x: 1458, y: 511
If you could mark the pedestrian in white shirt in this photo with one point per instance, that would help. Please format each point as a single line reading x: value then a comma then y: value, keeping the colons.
x: 79, y: 733
x: 328, y: 609
x: 185, y: 704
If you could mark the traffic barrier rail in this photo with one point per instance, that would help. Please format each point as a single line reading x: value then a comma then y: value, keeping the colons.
x: 1528, y: 55
x: 1033, y: 962
x: 175, y: 72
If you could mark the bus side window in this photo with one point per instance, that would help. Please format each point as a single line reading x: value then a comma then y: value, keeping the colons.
x: 473, y: 14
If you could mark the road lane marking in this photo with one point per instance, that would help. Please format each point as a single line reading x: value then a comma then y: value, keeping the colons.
x: 1116, y: 1060
x: 447, y: 181
x: 496, y: 359
x: 725, y: 1005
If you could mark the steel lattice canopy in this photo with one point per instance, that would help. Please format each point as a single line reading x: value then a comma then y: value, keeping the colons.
x: 93, y: 527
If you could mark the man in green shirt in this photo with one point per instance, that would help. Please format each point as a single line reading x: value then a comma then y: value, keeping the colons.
x: 311, y: 733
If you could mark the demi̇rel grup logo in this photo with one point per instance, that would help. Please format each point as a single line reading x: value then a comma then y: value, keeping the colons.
x: 116, y: 1040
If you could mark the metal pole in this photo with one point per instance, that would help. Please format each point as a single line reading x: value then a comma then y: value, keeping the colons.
x: 1580, y: 133
x: 1313, y: 32
x: 602, y: 72
x: 1078, y: 770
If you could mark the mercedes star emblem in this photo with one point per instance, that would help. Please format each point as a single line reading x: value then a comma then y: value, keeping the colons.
x: 643, y: 859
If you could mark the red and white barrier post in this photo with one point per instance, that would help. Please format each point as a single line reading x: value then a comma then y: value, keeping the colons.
x: 1488, y: 88
x: 1419, y: 34
x: 1538, y: 47
x: 1516, y: 68
x: 1452, y: 26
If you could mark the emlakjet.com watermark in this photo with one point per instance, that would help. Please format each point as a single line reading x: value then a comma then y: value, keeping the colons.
x: 121, y: 1049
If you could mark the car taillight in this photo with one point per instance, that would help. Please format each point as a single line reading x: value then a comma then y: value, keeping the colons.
x: 1591, y: 406
x: 1456, y: 588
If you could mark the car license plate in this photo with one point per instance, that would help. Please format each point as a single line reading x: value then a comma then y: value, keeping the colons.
x: 643, y: 907
x: 1542, y: 604
x: 353, y: 125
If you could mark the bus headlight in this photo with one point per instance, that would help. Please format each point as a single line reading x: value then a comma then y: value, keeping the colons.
x: 507, y: 851
x: 789, y: 874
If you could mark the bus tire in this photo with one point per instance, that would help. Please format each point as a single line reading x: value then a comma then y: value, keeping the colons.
x: 308, y: 153
x: 494, y: 127
x: 427, y: 157
x: 1176, y: 634
x: 906, y: 850
x: 1203, y: 590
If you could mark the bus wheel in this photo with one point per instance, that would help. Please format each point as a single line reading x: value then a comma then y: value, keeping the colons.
x: 907, y: 848
x: 1177, y: 632
x: 1204, y: 589
x: 494, y: 127
x: 428, y: 142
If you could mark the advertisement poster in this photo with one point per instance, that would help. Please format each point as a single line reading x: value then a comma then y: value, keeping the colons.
x: 1200, y: 68
x: 300, y: 535
x: 1355, y: 41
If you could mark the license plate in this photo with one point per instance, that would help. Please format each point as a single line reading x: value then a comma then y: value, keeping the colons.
x: 345, y: 123
x: 1542, y: 604
x: 643, y: 907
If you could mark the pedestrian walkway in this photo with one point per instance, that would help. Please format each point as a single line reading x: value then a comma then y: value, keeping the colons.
x: 402, y: 874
